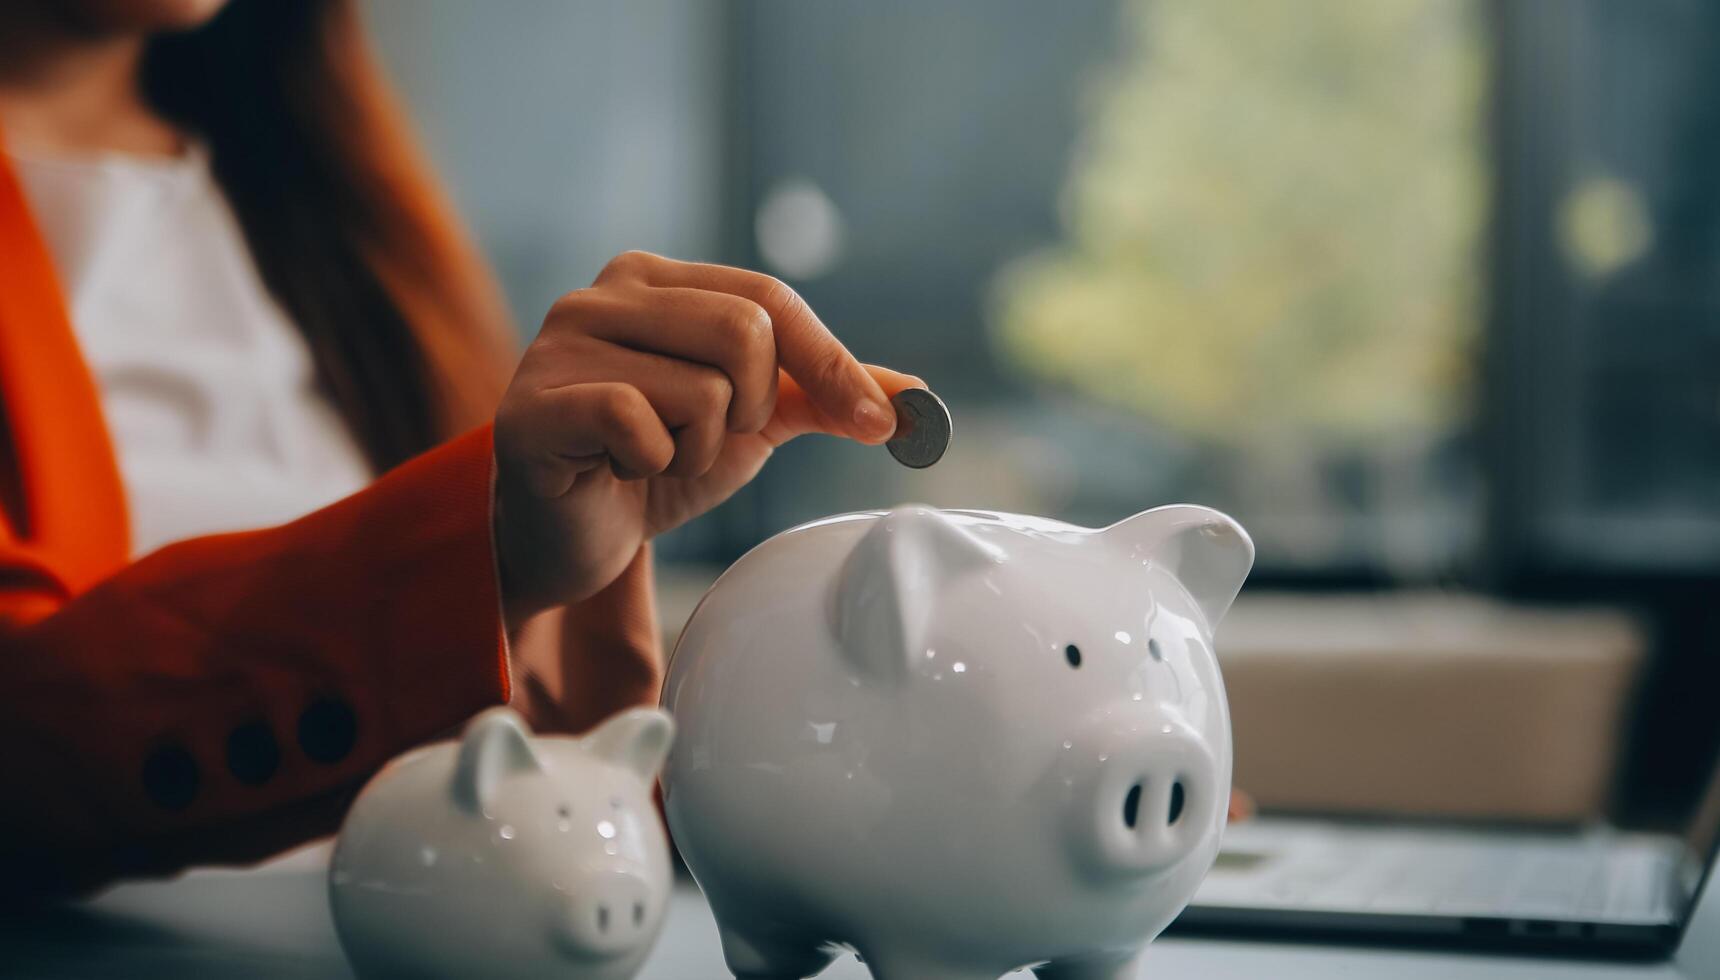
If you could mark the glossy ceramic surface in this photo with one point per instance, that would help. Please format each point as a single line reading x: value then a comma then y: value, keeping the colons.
x: 958, y: 742
x: 505, y: 855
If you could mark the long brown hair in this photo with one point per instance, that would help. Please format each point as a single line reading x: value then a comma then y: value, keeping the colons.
x: 348, y: 229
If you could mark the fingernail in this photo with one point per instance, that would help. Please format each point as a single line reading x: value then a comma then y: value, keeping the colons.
x: 875, y: 419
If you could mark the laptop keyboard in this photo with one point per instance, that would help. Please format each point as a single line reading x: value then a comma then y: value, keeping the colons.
x: 1447, y: 873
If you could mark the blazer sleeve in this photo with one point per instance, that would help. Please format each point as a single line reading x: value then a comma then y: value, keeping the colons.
x: 225, y: 696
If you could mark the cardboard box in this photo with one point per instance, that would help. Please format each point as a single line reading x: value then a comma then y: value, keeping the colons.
x: 1430, y: 705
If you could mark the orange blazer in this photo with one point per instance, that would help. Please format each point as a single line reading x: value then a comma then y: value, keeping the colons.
x: 224, y: 697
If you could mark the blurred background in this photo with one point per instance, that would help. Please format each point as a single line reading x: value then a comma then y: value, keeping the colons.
x: 1424, y: 292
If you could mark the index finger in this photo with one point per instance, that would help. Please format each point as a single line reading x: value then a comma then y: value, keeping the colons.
x: 841, y: 388
x: 796, y: 414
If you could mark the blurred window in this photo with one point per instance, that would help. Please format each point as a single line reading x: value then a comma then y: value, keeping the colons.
x: 1605, y: 368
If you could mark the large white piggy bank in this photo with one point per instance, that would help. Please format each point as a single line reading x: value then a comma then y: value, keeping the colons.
x: 956, y: 742
x: 505, y: 855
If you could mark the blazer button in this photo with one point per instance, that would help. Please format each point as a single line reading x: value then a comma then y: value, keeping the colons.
x: 253, y: 755
x: 327, y: 730
x: 170, y: 777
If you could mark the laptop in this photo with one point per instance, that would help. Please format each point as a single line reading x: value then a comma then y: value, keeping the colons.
x: 1596, y: 891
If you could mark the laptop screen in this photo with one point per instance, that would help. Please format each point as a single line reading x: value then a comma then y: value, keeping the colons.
x: 1702, y: 837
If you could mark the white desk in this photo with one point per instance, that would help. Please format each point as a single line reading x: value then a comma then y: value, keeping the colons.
x: 274, y: 923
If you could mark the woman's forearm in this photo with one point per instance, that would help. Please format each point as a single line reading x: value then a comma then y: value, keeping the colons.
x: 186, y: 708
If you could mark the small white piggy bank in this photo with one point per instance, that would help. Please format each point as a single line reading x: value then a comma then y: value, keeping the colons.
x: 956, y: 742
x: 505, y: 855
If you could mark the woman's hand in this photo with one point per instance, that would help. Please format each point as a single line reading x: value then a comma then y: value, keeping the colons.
x: 646, y: 400
x: 1241, y: 805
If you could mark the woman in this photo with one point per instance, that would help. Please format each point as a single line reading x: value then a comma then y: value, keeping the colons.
x: 230, y: 298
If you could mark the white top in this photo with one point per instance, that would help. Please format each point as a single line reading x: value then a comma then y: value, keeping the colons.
x: 209, y: 391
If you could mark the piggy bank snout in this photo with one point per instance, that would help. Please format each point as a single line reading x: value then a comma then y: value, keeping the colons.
x: 608, y: 913
x: 1151, y: 798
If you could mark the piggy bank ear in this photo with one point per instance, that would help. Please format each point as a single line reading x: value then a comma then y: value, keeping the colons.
x: 637, y: 739
x: 1206, y: 550
x: 496, y: 745
x: 891, y: 581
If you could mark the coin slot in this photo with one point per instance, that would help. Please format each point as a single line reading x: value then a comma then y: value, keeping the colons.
x: 1132, y: 807
x: 1477, y: 926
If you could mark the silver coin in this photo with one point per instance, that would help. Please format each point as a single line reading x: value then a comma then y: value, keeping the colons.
x: 922, y: 428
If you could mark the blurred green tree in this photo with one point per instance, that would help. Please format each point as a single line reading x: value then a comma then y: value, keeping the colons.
x: 1272, y: 225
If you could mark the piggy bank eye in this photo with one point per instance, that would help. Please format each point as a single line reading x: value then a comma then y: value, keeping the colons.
x: 563, y: 812
x: 1153, y: 649
x: 1072, y: 653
